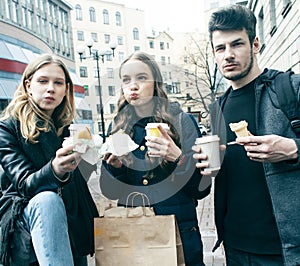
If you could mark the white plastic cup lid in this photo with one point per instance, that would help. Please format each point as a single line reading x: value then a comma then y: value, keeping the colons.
x: 207, y: 139
x: 154, y: 125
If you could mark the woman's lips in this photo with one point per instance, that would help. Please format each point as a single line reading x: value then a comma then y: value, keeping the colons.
x: 133, y: 96
x: 49, y: 99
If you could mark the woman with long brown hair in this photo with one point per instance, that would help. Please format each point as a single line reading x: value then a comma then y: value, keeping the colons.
x: 166, y: 175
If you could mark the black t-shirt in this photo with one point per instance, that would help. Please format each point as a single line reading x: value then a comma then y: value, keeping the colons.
x: 249, y: 223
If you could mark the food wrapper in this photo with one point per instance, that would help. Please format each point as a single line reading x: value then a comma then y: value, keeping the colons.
x: 118, y: 144
x: 87, y: 147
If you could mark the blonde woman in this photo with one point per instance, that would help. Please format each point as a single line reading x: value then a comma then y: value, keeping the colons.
x: 46, y: 203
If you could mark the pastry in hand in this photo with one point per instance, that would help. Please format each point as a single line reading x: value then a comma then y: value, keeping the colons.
x: 240, y: 128
x: 84, y: 134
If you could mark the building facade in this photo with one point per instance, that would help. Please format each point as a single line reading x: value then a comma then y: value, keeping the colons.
x: 278, y: 28
x: 104, y: 24
x: 27, y: 29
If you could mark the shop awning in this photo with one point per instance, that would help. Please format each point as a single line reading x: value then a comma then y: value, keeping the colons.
x: 7, y: 88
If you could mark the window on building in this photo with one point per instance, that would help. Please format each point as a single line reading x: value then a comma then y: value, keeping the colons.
x: 97, y: 90
x: 137, y: 48
x: 162, y: 46
x: 92, y: 14
x: 63, y: 16
x: 84, y: 114
x: 111, y: 90
x: 272, y: 17
x: 14, y: 11
x: 121, y: 56
x: 78, y: 12
x: 99, y: 123
x: 112, y: 108
x: 110, y: 73
x: 95, y: 71
x: 173, y: 88
x: 163, y: 60
x: 185, y: 59
x: 170, y: 75
x: 105, y: 17
x: 83, y: 72
x: 169, y: 60
x: 118, y: 19
x: 106, y: 38
x: 168, y: 45
x: 94, y: 36
x: 120, y: 40
x: 136, y: 34
x: 287, y: 4
x: 109, y: 56
x: 261, y: 32
x: 151, y: 44
x: 80, y: 35
x: 186, y: 72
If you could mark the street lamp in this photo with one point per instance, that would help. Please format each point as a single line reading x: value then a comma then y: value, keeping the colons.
x: 97, y: 55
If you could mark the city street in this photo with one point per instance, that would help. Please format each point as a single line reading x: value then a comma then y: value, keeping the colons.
x: 206, y: 223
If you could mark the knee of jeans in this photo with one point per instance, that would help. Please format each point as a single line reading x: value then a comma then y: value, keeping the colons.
x: 47, y: 199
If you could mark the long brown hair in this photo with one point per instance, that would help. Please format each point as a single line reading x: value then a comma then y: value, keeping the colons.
x: 32, y: 119
x: 126, y: 113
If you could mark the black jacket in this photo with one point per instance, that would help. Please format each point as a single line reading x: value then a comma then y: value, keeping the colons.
x: 27, y: 171
x: 282, y: 178
x: 173, y: 190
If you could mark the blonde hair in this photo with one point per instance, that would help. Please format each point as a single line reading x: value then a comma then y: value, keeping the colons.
x: 32, y: 119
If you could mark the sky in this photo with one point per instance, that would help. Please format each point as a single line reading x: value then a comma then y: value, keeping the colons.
x: 172, y: 16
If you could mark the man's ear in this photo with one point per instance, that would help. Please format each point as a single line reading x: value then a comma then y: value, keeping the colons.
x: 256, y: 45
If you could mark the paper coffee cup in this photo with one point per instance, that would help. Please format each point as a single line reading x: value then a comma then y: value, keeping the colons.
x: 152, y: 130
x: 210, y: 145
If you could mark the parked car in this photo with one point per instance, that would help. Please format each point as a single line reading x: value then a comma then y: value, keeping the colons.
x: 203, y: 129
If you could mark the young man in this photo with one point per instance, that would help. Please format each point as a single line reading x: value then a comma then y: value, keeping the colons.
x: 257, y: 199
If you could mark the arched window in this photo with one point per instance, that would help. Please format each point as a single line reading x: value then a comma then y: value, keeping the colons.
x: 78, y: 12
x: 105, y: 17
x: 118, y: 19
x: 92, y: 14
x: 136, y: 34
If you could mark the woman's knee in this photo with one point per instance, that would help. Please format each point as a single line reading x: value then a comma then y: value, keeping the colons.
x: 43, y: 205
x: 48, y: 199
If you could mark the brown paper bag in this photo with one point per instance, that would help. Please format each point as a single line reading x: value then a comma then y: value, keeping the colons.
x: 145, y: 240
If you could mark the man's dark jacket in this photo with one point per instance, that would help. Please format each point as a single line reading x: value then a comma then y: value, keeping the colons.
x: 283, y: 178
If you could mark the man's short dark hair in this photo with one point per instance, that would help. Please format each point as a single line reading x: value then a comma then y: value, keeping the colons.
x: 234, y: 17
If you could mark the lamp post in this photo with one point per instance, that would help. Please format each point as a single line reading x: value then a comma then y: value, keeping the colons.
x: 97, y: 55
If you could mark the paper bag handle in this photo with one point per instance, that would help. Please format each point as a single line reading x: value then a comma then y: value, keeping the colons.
x: 134, y: 195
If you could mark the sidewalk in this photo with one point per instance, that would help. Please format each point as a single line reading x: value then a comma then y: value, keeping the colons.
x: 208, y: 232
x: 205, y: 211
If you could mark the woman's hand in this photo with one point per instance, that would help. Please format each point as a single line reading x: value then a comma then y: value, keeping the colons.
x: 112, y: 160
x: 269, y: 148
x: 164, y: 145
x: 65, y: 161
